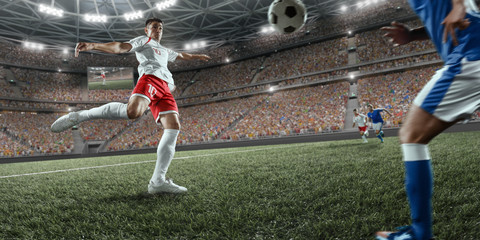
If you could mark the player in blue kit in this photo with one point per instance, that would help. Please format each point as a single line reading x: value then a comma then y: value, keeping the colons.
x: 375, y: 116
x: 452, y: 94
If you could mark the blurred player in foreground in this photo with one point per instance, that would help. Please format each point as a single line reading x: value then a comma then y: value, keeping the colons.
x: 452, y: 94
x: 153, y: 90
x: 361, y: 121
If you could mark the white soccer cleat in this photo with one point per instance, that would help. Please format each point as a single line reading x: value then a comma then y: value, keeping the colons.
x: 166, y: 187
x: 65, y: 122
x: 365, y: 141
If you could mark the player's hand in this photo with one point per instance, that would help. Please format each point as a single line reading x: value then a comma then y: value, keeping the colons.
x: 455, y: 19
x: 398, y: 33
x: 204, y: 57
x: 82, y: 46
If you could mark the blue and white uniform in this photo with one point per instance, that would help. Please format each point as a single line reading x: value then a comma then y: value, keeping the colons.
x: 376, y: 117
x: 453, y: 93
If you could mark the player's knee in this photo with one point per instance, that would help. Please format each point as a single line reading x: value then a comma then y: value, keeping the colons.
x: 133, y: 113
x: 409, y: 135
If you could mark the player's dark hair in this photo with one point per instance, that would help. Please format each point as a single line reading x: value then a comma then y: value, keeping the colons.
x: 354, y: 109
x: 150, y: 20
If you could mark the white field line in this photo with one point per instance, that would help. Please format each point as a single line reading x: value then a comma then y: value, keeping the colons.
x: 132, y: 163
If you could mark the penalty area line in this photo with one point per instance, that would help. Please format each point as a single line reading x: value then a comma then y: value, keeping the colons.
x: 133, y: 163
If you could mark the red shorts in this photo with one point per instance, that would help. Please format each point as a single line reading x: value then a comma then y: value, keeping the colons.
x: 157, y: 92
x: 362, y: 129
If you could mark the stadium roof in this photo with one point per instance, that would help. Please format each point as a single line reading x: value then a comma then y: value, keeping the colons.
x: 215, y: 21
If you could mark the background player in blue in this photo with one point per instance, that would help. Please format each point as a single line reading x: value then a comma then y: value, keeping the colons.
x: 375, y: 116
x: 451, y: 95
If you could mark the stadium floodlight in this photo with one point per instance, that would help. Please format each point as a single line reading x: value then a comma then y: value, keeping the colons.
x: 165, y: 4
x: 34, y: 46
x: 195, y: 45
x: 95, y: 18
x: 349, y: 32
x: 352, y: 76
x: 50, y: 10
x: 227, y: 60
x: 65, y: 51
x: 267, y: 29
x: 133, y: 15
x: 343, y: 8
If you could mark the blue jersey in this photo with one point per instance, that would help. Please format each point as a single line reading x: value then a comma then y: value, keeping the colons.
x: 433, y: 12
x: 376, y: 116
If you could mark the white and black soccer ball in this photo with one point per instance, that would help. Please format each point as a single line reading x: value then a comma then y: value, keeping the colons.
x: 287, y: 16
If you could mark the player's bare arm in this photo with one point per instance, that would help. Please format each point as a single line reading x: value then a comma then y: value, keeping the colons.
x: 188, y: 56
x: 401, y: 34
x: 455, y: 19
x: 387, y: 112
x: 111, y: 47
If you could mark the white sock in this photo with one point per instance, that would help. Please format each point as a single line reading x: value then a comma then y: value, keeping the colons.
x: 112, y: 111
x: 165, y: 152
x: 364, y: 137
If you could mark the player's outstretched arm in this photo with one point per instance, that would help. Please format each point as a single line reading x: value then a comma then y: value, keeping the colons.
x: 401, y: 34
x: 111, y: 47
x: 188, y: 56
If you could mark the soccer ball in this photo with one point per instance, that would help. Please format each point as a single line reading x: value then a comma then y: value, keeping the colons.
x: 287, y: 16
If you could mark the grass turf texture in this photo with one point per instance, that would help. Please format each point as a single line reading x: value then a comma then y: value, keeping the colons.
x: 111, y: 84
x: 326, y: 190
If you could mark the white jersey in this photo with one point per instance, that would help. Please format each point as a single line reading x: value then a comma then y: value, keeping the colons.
x: 360, y: 120
x: 153, y: 58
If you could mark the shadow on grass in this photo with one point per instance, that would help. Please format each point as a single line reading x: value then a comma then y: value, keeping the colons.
x: 145, y: 196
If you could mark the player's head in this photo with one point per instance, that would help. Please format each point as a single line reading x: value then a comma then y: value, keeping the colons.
x: 355, y: 111
x: 154, y: 28
x: 370, y: 107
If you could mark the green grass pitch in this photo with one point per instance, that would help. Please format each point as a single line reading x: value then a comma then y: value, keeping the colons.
x: 326, y: 190
x: 116, y: 84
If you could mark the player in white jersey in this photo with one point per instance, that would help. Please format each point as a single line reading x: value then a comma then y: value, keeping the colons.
x: 153, y: 90
x: 104, y: 78
x: 361, y: 121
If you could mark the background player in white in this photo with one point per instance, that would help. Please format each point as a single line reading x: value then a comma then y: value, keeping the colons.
x: 153, y: 90
x: 104, y: 78
x: 451, y: 95
x: 361, y: 121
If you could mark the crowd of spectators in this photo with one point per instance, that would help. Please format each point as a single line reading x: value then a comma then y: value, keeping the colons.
x: 142, y: 133
x: 224, y: 77
x: 33, y: 130
x: 121, y: 95
x: 101, y: 129
x: 306, y: 110
x: 393, y: 91
x: 402, y: 62
x: 30, y: 105
x: 311, y: 58
x: 10, y: 147
x: 56, y: 86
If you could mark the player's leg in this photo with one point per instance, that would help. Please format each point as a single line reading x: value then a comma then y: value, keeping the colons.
x: 165, y: 152
x: 113, y: 111
x: 451, y: 95
x: 419, y: 129
x: 364, y: 138
x: 377, y: 127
